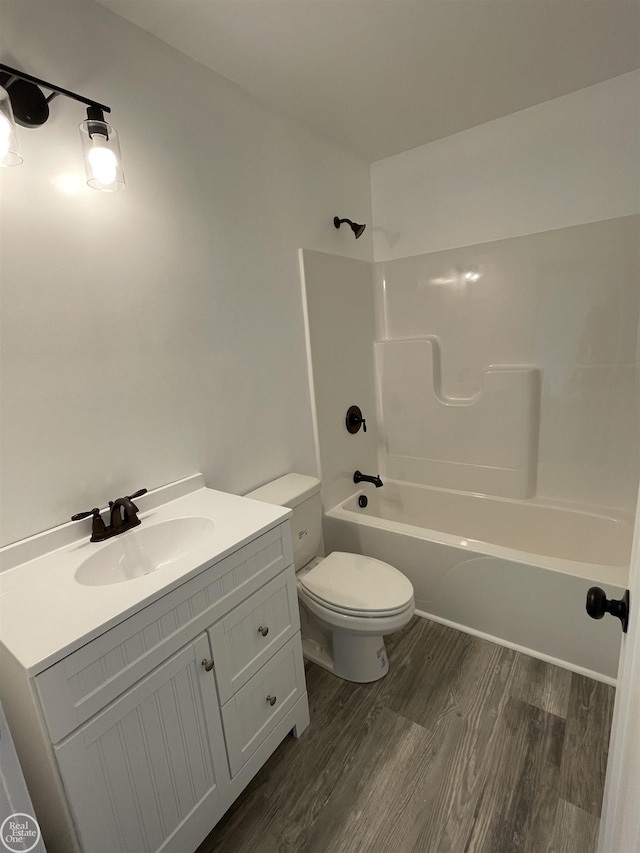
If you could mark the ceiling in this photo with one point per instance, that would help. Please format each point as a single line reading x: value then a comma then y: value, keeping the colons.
x: 383, y: 76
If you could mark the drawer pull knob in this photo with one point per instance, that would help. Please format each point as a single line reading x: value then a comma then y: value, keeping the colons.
x: 271, y: 700
x: 207, y: 664
x: 263, y: 630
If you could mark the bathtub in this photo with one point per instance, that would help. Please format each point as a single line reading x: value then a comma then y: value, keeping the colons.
x: 514, y: 572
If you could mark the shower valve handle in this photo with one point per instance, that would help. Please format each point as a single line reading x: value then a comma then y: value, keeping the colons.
x: 354, y: 420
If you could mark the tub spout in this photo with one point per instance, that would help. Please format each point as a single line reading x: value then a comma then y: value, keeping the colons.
x: 359, y: 477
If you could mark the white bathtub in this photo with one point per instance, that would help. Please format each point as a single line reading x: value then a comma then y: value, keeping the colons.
x: 516, y: 572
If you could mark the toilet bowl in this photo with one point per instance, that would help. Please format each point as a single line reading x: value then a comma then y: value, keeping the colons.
x: 357, y: 601
x: 348, y: 602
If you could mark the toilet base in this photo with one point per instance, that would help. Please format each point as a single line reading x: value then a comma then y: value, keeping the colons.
x: 355, y: 658
x: 316, y: 653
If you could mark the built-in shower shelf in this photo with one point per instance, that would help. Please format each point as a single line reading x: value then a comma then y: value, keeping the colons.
x: 486, y: 442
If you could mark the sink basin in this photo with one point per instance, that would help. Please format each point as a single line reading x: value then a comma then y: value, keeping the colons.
x: 143, y: 550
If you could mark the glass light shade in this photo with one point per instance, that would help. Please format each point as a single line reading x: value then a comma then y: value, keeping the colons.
x: 102, y: 159
x: 9, y: 150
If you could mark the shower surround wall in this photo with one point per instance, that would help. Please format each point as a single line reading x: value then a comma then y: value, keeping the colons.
x: 484, y: 441
x: 515, y: 244
x: 564, y: 301
x: 339, y: 320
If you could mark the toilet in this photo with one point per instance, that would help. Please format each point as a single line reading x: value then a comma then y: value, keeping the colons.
x: 348, y: 602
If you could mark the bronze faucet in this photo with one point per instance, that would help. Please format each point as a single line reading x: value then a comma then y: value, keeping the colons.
x: 124, y: 516
x: 359, y: 477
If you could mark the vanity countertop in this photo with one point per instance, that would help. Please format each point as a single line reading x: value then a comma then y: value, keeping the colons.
x: 45, y: 613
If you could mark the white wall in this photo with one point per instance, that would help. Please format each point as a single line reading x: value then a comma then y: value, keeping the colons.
x: 540, y: 208
x: 564, y: 162
x: 155, y: 332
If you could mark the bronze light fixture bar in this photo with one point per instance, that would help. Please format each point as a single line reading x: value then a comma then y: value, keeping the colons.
x: 22, y: 99
x: 30, y: 107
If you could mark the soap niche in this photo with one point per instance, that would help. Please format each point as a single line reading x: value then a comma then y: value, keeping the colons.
x: 486, y: 443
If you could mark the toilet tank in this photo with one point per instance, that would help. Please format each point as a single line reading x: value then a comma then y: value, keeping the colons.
x: 302, y: 495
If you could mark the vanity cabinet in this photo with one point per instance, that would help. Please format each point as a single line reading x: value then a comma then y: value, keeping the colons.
x: 154, y: 727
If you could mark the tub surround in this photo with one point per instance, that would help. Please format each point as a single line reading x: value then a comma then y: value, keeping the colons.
x: 339, y: 324
x: 564, y: 302
x: 559, y: 309
x: 482, y: 441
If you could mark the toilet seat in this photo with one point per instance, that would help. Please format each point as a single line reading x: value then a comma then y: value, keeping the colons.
x: 361, y: 614
x: 355, y: 585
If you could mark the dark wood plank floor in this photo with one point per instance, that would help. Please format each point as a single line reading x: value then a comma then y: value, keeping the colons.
x: 463, y: 746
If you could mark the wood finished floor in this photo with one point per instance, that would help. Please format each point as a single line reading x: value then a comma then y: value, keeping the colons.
x: 463, y: 746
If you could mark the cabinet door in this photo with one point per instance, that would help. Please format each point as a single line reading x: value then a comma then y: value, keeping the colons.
x: 149, y: 772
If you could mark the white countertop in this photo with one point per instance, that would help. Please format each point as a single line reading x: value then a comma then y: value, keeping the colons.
x: 46, y: 614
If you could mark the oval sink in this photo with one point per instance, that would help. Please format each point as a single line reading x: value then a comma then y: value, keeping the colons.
x: 143, y: 550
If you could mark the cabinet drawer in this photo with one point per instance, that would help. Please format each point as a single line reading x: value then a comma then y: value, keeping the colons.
x: 245, y: 639
x: 83, y: 683
x: 248, y: 717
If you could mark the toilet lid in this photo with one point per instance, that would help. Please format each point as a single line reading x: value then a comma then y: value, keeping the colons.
x: 358, y: 584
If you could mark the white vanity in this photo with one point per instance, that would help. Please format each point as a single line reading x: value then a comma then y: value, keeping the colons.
x: 142, y: 704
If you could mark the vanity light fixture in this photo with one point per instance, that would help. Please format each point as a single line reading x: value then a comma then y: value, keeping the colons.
x: 357, y: 229
x: 22, y: 99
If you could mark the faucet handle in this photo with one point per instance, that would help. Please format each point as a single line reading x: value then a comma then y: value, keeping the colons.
x: 95, y: 512
x: 98, y: 529
x: 137, y: 494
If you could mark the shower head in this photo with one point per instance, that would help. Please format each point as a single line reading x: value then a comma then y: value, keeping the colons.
x: 357, y: 229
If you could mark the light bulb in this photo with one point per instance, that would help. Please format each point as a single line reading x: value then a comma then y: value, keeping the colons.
x: 102, y: 159
x: 103, y: 163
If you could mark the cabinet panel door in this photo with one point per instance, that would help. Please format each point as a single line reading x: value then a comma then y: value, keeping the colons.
x: 253, y: 632
x: 257, y: 708
x: 149, y: 772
